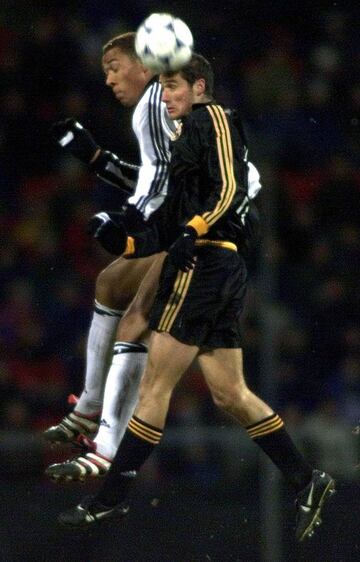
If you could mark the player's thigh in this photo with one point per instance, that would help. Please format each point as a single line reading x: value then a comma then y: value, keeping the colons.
x: 145, y: 295
x: 168, y: 359
x: 133, y: 326
x: 119, y: 282
x: 223, y: 370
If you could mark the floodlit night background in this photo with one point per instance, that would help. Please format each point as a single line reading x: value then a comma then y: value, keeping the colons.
x: 292, y: 69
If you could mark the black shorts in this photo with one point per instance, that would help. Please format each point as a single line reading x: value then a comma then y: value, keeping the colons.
x: 202, y: 307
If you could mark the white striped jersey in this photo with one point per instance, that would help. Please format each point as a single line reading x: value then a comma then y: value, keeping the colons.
x: 153, y: 129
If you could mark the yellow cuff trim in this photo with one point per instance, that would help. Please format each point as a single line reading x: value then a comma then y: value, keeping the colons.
x: 130, y: 247
x: 199, y: 224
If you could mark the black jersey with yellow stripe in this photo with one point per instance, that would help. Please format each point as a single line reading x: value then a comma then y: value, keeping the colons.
x: 206, y: 185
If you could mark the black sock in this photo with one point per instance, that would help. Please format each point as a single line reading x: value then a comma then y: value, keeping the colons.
x: 271, y: 435
x: 139, y: 441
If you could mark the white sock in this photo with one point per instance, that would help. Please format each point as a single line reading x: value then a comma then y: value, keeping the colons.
x: 98, y: 356
x: 121, y: 395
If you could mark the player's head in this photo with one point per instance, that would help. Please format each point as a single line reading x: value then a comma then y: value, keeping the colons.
x: 194, y: 83
x: 124, y: 72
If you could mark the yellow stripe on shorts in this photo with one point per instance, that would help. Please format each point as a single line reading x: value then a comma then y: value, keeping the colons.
x: 176, y: 300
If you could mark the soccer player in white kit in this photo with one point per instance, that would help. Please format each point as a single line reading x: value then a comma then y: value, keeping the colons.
x: 125, y: 289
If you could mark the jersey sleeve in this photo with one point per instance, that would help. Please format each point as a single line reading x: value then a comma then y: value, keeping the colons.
x: 143, y: 244
x: 153, y: 140
x: 218, y: 152
x: 112, y: 170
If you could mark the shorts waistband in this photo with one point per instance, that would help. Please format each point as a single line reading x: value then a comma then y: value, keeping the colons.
x: 217, y: 244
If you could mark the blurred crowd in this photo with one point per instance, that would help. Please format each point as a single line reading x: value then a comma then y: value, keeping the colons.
x: 295, y: 78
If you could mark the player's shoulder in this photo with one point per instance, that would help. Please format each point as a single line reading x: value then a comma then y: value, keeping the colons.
x: 154, y: 92
x: 151, y: 96
x: 199, y: 112
x: 196, y: 118
x: 207, y: 113
x: 206, y: 117
x: 155, y: 86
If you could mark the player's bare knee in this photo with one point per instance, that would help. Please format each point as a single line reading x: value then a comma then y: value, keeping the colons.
x: 222, y: 400
x: 137, y: 312
x: 133, y: 328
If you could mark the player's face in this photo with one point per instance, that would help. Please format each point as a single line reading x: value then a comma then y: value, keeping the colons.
x: 125, y: 76
x: 178, y: 95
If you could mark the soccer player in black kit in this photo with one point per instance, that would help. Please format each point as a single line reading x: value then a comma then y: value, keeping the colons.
x: 199, y: 302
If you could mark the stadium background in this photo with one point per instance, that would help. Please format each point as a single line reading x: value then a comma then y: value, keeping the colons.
x: 293, y: 70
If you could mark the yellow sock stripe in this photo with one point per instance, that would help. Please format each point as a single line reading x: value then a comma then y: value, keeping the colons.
x: 266, y: 430
x: 176, y: 300
x: 263, y: 422
x: 266, y: 427
x: 276, y: 427
x: 143, y: 434
x: 143, y: 426
x: 225, y: 154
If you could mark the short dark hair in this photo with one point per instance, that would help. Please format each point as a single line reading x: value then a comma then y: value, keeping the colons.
x: 125, y: 42
x: 197, y: 67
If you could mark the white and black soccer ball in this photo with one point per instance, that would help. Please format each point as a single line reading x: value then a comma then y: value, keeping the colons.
x: 164, y: 43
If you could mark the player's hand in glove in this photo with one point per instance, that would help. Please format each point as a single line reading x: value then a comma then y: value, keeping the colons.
x: 72, y: 136
x: 181, y: 253
x: 112, y: 236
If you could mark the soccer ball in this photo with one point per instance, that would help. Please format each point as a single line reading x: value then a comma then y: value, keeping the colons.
x: 163, y: 43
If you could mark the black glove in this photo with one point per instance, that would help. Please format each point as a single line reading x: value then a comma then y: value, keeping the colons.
x: 72, y: 136
x: 181, y: 253
x: 112, y: 236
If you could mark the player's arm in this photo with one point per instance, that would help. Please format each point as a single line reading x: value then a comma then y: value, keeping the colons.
x: 113, y: 237
x: 153, y: 238
x: 117, y: 172
x: 218, y: 152
x: 79, y: 142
